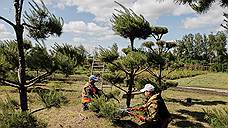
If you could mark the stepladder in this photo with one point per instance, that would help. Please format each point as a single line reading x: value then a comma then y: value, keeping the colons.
x: 98, y: 69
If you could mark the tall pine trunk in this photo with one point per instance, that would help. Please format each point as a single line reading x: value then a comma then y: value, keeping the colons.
x: 131, y: 80
x: 19, y: 29
x: 21, y: 70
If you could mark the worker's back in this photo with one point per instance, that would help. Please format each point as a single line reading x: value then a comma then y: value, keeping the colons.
x: 157, y: 113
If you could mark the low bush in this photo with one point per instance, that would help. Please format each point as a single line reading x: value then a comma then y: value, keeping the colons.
x: 51, y: 98
x: 104, y: 108
x: 20, y: 120
x: 11, y: 117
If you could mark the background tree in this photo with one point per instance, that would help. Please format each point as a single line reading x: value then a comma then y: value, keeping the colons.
x: 205, y: 50
x: 41, y: 24
x: 9, y: 57
x: 39, y: 59
x: 129, y: 25
x: 67, y: 57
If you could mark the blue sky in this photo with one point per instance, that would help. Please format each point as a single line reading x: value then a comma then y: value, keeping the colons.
x: 87, y: 22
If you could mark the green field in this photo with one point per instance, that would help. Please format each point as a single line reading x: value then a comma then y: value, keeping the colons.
x: 209, y: 80
x: 184, y: 115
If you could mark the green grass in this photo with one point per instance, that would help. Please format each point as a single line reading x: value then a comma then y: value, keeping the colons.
x: 7, y: 88
x: 184, y: 115
x: 191, y: 115
x: 209, y: 80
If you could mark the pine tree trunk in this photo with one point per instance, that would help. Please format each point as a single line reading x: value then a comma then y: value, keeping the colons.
x: 132, y: 44
x: 130, y: 85
x: 19, y: 29
x: 21, y: 70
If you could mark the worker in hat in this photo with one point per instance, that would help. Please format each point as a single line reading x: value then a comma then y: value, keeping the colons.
x: 89, y: 92
x: 156, y: 112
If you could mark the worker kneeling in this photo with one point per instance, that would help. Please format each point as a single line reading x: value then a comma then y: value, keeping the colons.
x: 156, y: 112
x: 89, y: 92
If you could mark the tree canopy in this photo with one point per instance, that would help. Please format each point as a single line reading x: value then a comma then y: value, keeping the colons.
x: 202, y: 6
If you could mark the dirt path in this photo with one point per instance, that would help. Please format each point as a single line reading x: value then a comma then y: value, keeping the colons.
x: 220, y: 92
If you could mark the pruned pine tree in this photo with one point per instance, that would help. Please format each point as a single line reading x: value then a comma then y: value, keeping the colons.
x: 129, y: 25
x: 41, y: 24
x: 123, y: 68
x: 160, y: 58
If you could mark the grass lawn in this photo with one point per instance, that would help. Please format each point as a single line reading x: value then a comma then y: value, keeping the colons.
x: 209, y: 80
x: 72, y: 116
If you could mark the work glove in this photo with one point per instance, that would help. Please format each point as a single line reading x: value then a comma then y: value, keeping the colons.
x: 137, y: 109
x: 142, y: 118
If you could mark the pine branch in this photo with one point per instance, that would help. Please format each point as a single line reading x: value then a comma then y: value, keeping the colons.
x: 119, y: 88
x: 152, y: 73
x: 30, y: 26
x: 226, y: 27
x: 38, y: 110
x: 142, y: 71
x: 9, y: 83
x: 34, y: 80
x: 121, y: 68
x: 7, y: 21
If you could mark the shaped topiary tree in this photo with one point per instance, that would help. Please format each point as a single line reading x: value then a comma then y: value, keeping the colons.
x: 40, y: 24
x: 129, y: 25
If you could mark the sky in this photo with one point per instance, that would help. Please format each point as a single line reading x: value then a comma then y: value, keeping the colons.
x: 87, y: 22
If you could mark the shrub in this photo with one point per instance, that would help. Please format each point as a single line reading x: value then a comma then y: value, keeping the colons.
x: 20, y: 120
x: 11, y: 118
x: 51, y: 98
x: 218, y: 67
x: 217, y: 118
x: 104, y: 108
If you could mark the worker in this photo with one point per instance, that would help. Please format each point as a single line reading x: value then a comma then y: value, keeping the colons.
x: 156, y: 112
x: 89, y: 92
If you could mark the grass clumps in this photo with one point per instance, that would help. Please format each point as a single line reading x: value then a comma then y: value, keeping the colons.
x: 12, y: 117
x: 217, y: 118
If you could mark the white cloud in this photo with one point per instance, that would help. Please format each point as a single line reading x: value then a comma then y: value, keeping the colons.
x: 2, y: 28
x: 213, y: 18
x: 4, y: 34
x: 150, y: 9
x: 78, y: 39
x: 90, y: 29
x: 102, y: 10
x: 45, y: 1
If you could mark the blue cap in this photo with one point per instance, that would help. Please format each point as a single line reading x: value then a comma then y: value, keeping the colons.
x: 93, y: 77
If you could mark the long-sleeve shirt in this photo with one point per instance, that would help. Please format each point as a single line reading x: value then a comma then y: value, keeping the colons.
x: 89, y: 92
x: 156, y: 110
